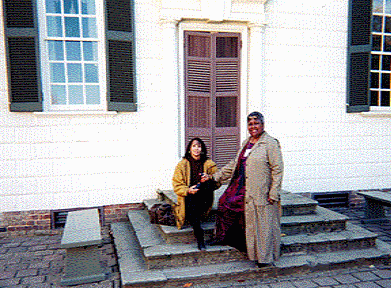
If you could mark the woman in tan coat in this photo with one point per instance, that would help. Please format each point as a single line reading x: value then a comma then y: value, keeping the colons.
x: 251, y: 204
x: 195, y: 199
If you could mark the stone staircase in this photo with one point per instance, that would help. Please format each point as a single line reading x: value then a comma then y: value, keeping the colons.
x: 313, y: 238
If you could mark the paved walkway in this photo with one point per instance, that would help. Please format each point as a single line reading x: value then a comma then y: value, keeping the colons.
x: 39, y: 262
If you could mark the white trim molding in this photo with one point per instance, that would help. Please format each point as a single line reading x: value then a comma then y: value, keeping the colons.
x: 215, y: 10
x: 222, y: 27
x: 244, y: 17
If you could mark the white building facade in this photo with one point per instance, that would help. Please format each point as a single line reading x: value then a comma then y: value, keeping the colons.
x: 77, y: 149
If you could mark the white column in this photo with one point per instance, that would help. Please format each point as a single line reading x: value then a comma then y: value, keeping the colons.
x: 256, y: 68
x: 170, y: 73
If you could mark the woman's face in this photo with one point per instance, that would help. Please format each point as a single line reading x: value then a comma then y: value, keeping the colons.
x: 255, y: 127
x: 195, y: 149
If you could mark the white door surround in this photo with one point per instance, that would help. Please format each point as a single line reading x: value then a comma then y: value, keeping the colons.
x: 220, y: 16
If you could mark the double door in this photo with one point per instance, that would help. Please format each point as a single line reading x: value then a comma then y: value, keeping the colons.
x: 212, y: 90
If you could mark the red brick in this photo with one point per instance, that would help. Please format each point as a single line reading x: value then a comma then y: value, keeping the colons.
x: 32, y: 217
x: 44, y: 217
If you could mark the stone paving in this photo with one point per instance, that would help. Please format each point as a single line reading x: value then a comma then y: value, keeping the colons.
x: 39, y: 262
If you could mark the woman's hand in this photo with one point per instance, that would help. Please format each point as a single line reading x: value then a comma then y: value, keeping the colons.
x: 270, y: 200
x: 205, y: 177
x: 193, y: 190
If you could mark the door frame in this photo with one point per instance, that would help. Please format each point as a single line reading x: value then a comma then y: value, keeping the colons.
x: 212, y: 27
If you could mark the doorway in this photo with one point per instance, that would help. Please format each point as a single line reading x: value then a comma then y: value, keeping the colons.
x: 212, y: 91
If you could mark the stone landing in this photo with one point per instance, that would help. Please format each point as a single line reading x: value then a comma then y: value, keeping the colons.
x: 314, y: 238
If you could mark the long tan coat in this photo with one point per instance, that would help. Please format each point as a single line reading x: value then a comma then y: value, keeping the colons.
x: 181, y: 183
x: 264, y: 171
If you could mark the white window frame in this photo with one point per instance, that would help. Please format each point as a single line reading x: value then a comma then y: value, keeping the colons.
x: 45, y: 69
x: 379, y: 108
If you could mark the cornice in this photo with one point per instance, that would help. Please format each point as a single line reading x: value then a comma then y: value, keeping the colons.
x: 215, y: 11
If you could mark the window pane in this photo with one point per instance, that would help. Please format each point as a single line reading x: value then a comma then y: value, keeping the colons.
x: 199, y: 46
x: 375, y: 62
x: 374, y: 98
x: 386, y: 62
x: 388, y: 7
x: 385, y: 80
x: 227, y: 47
x: 91, y: 71
x: 71, y: 7
x: 56, y: 50
x: 388, y: 25
x: 57, y: 73
x: 377, y: 23
x: 374, y: 80
x: 387, y: 43
x: 53, y: 6
x: 92, y: 94
x: 59, y: 95
x: 378, y: 6
x: 226, y: 111
x: 376, y: 42
x: 74, y: 73
x: 76, y: 94
x: 385, y: 98
x: 54, y: 26
x: 88, y: 7
x: 90, y: 51
x: 72, y: 27
x: 89, y: 28
x: 73, y: 50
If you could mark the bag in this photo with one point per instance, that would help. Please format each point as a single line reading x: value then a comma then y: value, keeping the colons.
x: 162, y: 214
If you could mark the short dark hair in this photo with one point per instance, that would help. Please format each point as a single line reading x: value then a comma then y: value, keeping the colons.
x: 204, y: 151
x: 257, y: 115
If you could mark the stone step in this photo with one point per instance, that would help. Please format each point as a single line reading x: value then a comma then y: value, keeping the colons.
x: 158, y: 254
x: 292, y: 204
x: 323, y: 220
x: 181, y: 250
x: 134, y: 271
x: 187, y: 255
x: 353, y: 237
x: 147, y: 234
x: 172, y: 235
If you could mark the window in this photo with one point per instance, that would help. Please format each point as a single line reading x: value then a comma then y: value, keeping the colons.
x: 60, y: 51
x: 369, y: 55
x: 381, y: 53
x: 72, y: 53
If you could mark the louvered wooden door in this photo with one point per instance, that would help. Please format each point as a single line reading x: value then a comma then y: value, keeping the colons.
x: 212, y: 77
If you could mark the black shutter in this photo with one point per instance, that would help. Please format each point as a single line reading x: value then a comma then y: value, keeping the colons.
x: 21, y: 36
x: 121, y: 60
x: 359, y: 55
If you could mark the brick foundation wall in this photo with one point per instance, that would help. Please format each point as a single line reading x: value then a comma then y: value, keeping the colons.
x: 34, y: 223
x: 118, y: 213
x: 355, y: 201
x: 25, y: 223
x: 39, y: 222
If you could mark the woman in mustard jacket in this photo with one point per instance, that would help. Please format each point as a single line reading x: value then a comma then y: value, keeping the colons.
x: 195, y: 199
